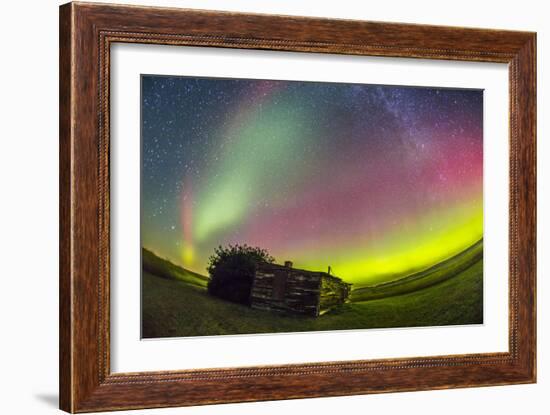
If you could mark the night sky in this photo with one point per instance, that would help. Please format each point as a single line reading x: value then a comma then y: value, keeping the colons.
x: 375, y: 181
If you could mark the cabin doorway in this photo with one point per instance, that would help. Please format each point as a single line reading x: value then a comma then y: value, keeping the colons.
x: 279, y: 286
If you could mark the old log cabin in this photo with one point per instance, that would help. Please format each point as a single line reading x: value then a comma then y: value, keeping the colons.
x: 295, y: 291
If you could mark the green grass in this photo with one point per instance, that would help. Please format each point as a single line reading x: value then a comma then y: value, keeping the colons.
x: 425, y: 278
x: 177, y: 308
x: 165, y: 269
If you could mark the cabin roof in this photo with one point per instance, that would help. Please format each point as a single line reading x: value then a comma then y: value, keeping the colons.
x: 271, y: 265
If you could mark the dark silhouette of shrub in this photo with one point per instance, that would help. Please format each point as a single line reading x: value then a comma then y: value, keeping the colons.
x: 232, y: 270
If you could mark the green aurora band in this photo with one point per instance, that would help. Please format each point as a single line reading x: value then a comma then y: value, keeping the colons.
x: 375, y: 181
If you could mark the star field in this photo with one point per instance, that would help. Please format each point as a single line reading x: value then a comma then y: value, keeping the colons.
x: 375, y: 181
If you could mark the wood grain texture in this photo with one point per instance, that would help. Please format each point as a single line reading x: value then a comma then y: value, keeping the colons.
x: 65, y: 247
x: 86, y: 33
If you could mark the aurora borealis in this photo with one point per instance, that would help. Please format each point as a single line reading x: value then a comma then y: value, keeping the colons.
x: 375, y: 181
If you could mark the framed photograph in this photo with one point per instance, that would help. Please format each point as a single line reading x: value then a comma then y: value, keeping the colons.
x: 258, y: 207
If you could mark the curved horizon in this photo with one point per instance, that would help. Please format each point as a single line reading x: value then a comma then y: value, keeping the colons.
x: 374, y: 181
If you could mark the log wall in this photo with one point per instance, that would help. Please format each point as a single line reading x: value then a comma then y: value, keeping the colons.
x: 333, y: 292
x: 295, y: 291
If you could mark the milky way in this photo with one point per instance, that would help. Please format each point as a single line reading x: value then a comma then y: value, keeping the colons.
x: 375, y: 181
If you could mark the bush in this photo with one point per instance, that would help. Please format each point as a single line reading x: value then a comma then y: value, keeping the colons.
x: 232, y: 271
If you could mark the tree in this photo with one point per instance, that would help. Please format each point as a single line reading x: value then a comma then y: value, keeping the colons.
x: 232, y: 270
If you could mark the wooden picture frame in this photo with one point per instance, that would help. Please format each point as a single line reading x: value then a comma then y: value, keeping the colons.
x: 86, y: 33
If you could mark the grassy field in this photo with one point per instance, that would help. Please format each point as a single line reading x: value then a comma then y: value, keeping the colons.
x: 425, y: 278
x: 179, y: 306
x: 165, y: 269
